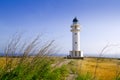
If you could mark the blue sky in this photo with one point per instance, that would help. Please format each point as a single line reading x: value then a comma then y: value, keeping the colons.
x: 99, y: 20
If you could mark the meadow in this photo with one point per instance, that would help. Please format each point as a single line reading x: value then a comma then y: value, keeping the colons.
x: 103, y: 69
x: 43, y: 66
x: 75, y: 69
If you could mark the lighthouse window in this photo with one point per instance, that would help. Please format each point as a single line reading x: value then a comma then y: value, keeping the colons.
x: 75, y: 33
x: 75, y: 42
x: 75, y: 27
x: 79, y: 53
x: 75, y: 53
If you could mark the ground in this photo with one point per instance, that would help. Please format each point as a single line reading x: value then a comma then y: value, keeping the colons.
x: 102, y: 68
x: 106, y: 69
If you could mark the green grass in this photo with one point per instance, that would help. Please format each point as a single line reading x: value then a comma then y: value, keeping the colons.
x: 27, y: 67
x: 86, y: 76
x: 43, y: 67
x: 39, y: 70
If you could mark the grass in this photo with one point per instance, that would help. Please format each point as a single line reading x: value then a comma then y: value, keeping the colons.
x: 86, y: 76
x: 38, y: 70
x: 106, y: 70
x: 26, y: 67
x: 44, y: 67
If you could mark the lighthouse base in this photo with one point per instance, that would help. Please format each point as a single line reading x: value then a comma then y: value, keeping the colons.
x: 75, y: 55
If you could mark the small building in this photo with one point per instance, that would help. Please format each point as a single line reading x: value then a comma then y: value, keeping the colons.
x: 76, y: 51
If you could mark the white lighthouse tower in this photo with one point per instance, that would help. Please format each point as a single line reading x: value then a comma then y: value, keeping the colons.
x: 76, y: 52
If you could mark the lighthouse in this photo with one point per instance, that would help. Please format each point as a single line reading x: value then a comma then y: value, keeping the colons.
x: 76, y: 51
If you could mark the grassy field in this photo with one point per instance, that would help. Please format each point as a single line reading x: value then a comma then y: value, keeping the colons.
x: 106, y: 69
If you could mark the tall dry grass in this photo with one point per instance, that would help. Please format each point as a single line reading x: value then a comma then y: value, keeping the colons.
x: 27, y: 67
x: 99, y: 68
x: 42, y: 66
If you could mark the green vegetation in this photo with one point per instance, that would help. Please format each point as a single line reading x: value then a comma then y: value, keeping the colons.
x: 39, y: 70
x: 28, y: 67
x: 86, y: 76
x: 44, y: 67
